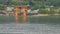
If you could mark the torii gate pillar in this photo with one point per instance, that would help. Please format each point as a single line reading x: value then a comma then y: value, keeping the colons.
x: 24, y: 8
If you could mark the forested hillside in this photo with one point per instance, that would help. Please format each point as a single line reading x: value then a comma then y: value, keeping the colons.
x: 33, y: 4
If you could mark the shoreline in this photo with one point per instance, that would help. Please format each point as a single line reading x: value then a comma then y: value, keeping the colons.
x: 47, y: 15
x: 35, y: 15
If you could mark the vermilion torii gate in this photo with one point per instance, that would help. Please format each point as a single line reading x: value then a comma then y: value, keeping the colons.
x: 16, y: 8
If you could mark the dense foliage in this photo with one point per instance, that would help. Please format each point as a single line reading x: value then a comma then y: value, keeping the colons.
x: 33, y: 4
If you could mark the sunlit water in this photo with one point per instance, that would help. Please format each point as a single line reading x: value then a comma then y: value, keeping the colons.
x: 33, y: 25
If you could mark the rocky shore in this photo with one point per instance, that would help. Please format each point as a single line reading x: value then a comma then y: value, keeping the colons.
x: 47, y: 15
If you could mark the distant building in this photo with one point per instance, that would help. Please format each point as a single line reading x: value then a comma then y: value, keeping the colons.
x: 2, y: 12
x: 48, y: 9
x: 9, y: 8
x: 32, y: 11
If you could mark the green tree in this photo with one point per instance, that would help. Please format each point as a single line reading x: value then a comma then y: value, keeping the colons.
x: 1, y: 7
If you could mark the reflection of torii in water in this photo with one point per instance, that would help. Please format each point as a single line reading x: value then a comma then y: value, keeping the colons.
x: 24, y: 8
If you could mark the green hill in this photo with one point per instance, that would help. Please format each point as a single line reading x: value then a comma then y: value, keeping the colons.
x: 33, y: 4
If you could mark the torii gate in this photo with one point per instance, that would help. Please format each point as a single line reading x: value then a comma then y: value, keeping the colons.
x: 16, y: 8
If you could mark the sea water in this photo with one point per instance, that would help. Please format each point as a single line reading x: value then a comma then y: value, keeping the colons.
x: 29, y: 29
x: 33, y: 25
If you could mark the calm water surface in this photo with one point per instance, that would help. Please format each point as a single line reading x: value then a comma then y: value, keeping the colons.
x: 34, y: 25
x: 32, y: 19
